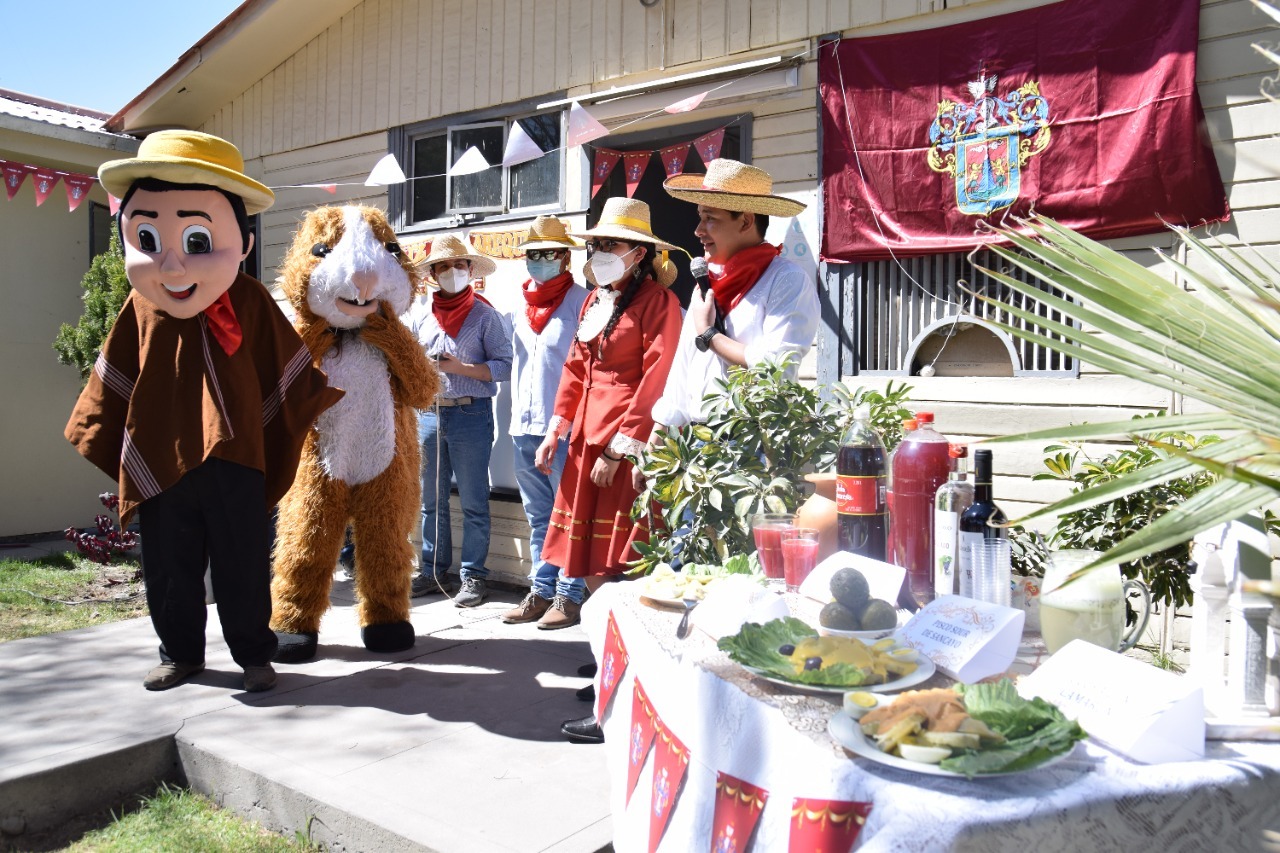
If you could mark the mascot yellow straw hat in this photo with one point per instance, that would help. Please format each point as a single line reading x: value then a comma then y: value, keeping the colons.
x: 187, y: 157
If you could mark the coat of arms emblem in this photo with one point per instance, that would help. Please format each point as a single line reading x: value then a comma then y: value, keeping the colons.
x: 985, y: 144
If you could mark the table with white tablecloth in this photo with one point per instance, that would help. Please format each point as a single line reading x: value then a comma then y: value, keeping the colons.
x: 777, y: 739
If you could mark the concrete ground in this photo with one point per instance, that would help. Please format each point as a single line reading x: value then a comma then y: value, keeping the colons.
x: 453, y: 745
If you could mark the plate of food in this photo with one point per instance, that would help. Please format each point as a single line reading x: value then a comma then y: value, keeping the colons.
x: 965, y: 731
x: 791, y: 653
x: 667, y: 588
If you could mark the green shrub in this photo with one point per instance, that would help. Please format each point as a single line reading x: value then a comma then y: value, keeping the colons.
x: 105, y: 289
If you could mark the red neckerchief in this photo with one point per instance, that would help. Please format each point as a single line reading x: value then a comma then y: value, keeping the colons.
x: 733, y: 279
x: 223, y: 323
x: 541, y: 303
x: 451, y: 311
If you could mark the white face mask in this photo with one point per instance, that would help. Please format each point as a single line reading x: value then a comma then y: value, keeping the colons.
x: 608, y: 268
x: 453, y: 280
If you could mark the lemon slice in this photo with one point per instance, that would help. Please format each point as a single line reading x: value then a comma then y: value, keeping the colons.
x: 923, y: 754
x: 859, y: 702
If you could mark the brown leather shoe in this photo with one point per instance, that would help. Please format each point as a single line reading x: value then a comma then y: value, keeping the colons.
x: 170, y: 674
x: 528, y: 610
x: 563, y: 613
x: 259, y: 678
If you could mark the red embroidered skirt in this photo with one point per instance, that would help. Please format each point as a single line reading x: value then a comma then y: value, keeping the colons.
x: 591, y: 531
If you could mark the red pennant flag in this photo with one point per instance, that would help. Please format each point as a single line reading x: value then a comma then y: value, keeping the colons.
x: 670, y: 762
x: 644, y: 724
x: 605, y: 160
x: 611, y: 666
x: 826, y: 826
x: 673, y: 159
x: 78, y: 187
x: 686, y: 104
x: 14, y: 175
x: 738, y: 808
x: 45, y: 180
x: 708, y: 146
x: 113, y: 203
x: 634, y: 163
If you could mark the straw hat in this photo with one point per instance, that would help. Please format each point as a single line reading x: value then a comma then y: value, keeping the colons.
x: 450, y: 247
x: 548, y: 232
x: 626, y: 219
x: 730, y: 185
x: 187, y: 157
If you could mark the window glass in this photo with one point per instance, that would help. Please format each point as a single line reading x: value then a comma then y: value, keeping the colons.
x: 537, y: 182
x: 429, y: 158
x: 481, y: 190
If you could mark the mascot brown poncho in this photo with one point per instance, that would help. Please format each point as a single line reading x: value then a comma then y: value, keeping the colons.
x: 348, y: 281
x: 200, y: 400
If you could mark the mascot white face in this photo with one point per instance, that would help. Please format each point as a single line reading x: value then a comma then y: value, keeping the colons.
x: 357, y: 271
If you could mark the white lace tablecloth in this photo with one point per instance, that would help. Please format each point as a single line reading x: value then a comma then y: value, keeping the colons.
x: 777, y: 739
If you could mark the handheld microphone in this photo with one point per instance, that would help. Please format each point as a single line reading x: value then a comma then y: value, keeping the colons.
x: 698, y: 267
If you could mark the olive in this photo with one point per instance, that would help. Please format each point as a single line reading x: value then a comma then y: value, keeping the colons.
x: 814, y: 662
x: 786, y: 650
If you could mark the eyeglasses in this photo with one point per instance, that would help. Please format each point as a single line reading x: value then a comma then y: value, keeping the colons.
x: 544, y: 254
x: 602, y: 245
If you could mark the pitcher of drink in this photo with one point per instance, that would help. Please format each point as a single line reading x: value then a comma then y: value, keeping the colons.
x: 1090, y: 608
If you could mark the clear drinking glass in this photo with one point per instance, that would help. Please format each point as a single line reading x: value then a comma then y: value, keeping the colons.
x: 799, y: 555
x: 992, y: 562
x: 767, y: 528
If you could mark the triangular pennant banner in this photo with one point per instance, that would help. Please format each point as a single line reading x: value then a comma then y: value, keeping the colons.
x: 605, y: 160
x: 643, y: 727
x: 113, y: 203
x: 386, y: 172
x: 45, y: 180
x: 826, y: 826
x: 583, y: 126
x: 708, y: 145
x: 633, y: 165
x: 14, y: 175
x: 331, y: 189
x: 687, y: 104
x: 673, y: 159
x: 612, y: 665
x: 738, y: 808
x: 469, y: 163
x: 670, y: 763
x: 77, y: 187
x: 520, y: 147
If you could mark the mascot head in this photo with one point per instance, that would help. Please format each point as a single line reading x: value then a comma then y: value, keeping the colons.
x: 343, y: 263
x: 185, y: 203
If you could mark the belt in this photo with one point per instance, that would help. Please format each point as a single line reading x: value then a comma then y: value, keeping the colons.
x: 454, y: 401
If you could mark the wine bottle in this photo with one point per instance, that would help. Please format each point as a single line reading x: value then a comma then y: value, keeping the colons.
x: 980, y: 521
x: 953, y: 498
x: 860, y: 488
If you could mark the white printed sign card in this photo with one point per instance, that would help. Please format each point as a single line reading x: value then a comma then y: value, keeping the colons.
x: 968, y: 639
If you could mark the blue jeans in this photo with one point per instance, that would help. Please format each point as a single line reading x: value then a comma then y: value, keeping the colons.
x: 464, y: 454
x: 538, y: 494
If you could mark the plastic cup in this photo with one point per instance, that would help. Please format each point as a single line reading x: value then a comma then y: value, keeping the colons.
x: 767, y: 528
x: 992, y: 580
x: 799, y: 555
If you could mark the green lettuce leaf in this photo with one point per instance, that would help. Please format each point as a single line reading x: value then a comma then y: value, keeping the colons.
x: 757, y: 646
x: 1035, y: 730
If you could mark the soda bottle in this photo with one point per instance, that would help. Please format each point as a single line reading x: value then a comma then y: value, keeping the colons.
x: 920, y: 467
x: 860, y: 488
x: 953, y: 498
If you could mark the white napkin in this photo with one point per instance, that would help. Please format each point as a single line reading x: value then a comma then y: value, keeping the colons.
x: 734, y: 601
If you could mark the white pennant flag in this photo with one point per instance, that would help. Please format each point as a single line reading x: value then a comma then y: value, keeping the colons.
x: 583, y: 126
x: 469, y: 163
x: 520, y: 147
x: 386, y: 172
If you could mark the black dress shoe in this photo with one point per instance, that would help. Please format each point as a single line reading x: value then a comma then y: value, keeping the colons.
x: 586, y: 694
x: 587, y: 670
x: 586, y: 730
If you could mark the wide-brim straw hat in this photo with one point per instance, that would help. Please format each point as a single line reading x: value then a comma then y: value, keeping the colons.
x: 626, y: 219
x: 187, y: 157
x: 730, y: 185
x: 450, y: 247
x: 548, y: 232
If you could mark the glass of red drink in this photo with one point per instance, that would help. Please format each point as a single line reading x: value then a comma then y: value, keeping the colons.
x: 767, y: 528
x: 799, y: 555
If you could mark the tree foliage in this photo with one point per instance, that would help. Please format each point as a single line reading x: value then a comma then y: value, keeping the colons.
x: 105, y: 288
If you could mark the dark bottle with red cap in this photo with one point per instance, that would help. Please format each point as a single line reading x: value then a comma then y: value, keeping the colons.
x: 860, y: 488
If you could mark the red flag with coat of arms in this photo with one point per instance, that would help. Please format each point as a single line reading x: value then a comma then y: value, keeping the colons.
x: 1082, y: 110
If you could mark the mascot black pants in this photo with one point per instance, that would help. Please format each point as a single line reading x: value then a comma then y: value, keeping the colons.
x: 215, y: 517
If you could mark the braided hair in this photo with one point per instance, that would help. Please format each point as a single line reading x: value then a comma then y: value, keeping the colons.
x: 643, y: 270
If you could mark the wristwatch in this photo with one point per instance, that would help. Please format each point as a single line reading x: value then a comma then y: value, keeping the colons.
x: 703, y: 341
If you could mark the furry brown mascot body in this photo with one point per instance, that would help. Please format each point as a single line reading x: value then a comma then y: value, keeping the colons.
x: 348, y: 282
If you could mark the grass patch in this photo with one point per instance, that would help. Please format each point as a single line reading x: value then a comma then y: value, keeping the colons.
x: 178, y: 819
x: 65, y: 591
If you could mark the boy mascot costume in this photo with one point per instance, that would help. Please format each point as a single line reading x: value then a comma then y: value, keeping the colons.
x: 200, y: 400
x: 348, y: 281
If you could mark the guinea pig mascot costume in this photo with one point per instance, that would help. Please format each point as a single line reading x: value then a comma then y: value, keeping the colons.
x: 348, y: 281
x: 200, y: 400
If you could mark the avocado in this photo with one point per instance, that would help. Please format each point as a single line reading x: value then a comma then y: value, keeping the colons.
x: 836, y: 615
x: 849, y: 587
x: 878, y: 616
